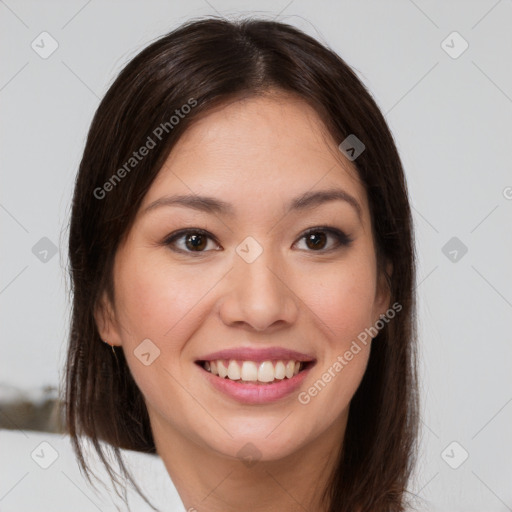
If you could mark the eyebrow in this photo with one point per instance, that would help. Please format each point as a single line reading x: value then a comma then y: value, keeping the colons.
x: 213, y: 205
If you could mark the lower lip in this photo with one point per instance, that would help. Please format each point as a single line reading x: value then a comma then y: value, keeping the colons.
x: 250, y: 393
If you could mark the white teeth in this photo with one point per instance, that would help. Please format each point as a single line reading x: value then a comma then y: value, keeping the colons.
x: 266, y: 372
x: 223, y: 371
x: 290, y: 368
x: 280, y: 371
x: 233, y: 371
x: 250, y: 371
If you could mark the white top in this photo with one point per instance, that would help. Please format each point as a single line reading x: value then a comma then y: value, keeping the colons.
x: 38, y: 471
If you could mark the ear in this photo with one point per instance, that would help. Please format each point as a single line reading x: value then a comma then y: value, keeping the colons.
x: 106, y: 323
x: 383, y: 293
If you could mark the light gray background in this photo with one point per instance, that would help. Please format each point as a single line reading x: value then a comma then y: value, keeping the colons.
x: 451, y: 119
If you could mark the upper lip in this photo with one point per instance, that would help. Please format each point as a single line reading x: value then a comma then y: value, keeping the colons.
x: 258, y: 354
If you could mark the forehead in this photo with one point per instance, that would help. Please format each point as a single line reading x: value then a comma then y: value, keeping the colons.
x: 261, y: 149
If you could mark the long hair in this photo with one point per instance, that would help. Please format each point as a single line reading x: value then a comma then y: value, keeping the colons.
x: 206, y: 63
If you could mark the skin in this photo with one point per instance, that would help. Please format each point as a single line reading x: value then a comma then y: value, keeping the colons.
x: 256, y: 154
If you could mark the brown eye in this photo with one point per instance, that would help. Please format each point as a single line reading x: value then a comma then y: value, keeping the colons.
x: 192, y: 241
x: 195, y: 242
x: 317, y: 239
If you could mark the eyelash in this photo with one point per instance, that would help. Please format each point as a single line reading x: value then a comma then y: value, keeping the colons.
x: 342, y: 239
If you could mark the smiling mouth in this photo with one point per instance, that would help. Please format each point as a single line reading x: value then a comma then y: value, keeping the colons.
x: 251, y: 372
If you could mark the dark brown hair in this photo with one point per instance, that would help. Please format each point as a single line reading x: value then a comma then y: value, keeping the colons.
x: 214, y: 61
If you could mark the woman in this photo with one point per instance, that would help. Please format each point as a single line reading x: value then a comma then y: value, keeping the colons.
x: 241, y: 237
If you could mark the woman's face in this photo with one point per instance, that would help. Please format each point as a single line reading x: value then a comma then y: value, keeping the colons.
x: 252, y: 284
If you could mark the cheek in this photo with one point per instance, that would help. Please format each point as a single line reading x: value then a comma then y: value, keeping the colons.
x: 342, y: 307
x: 342, y: 300
x: 154, y: 299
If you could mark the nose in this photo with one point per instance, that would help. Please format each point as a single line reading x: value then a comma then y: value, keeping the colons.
x: 259, y: 295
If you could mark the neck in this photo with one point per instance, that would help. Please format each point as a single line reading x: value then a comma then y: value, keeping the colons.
x: 208, y: 480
